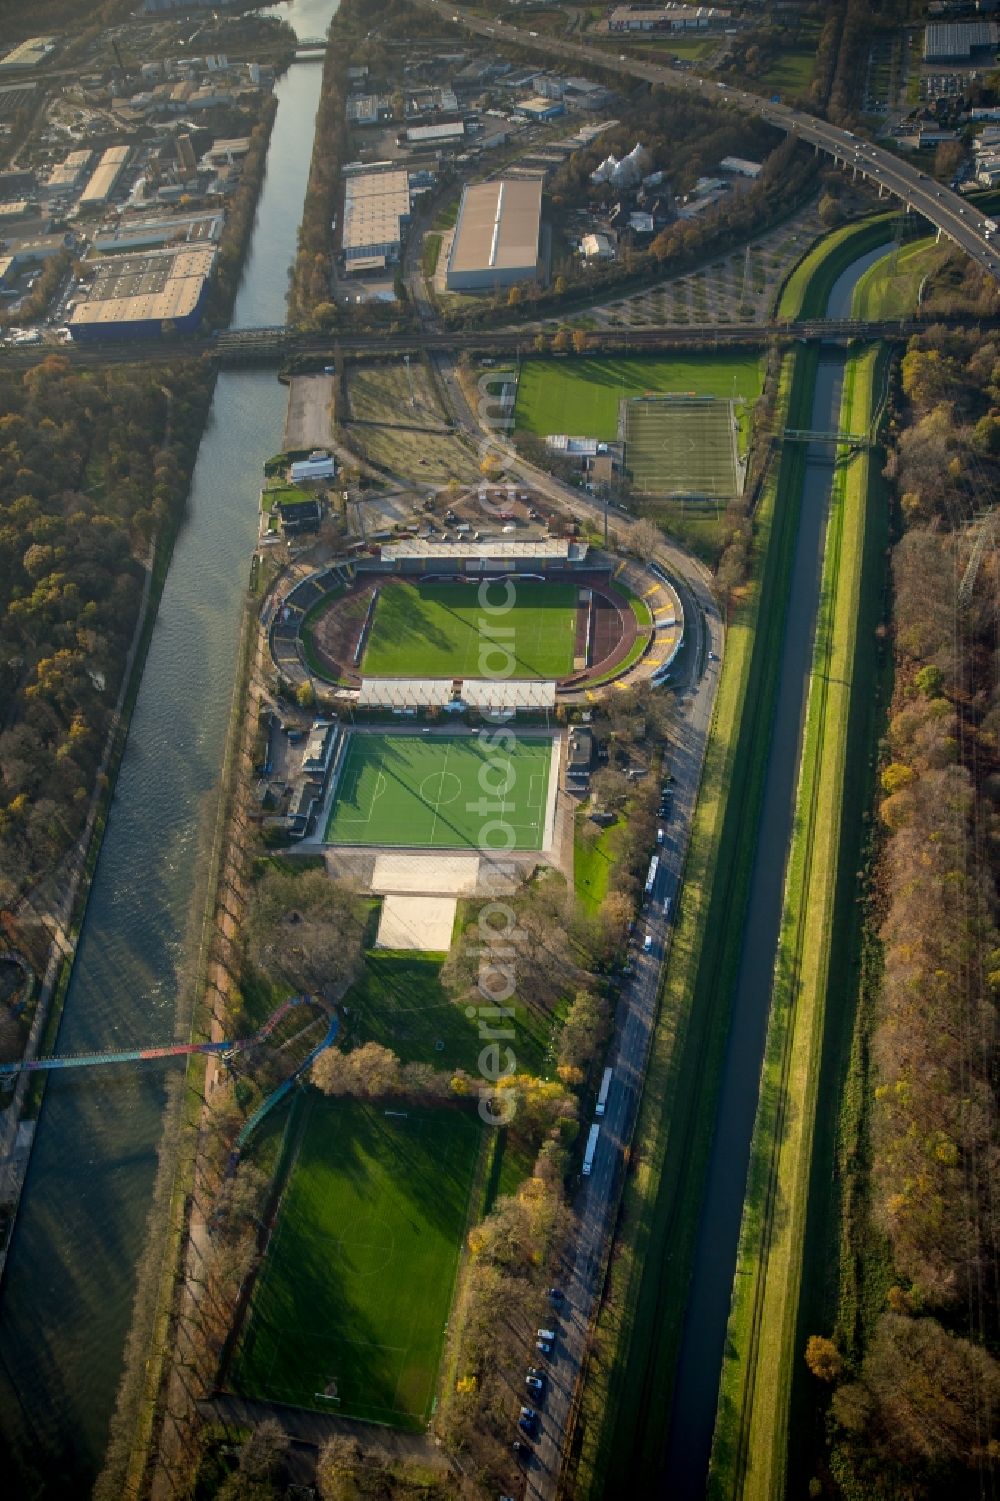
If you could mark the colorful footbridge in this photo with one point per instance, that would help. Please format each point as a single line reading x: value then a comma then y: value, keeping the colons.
x: 143, y: 1055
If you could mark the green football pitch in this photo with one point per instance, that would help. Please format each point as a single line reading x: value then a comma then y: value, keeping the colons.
x: 442, y: 792
x: 443, y: 631
x: 583, y: 396
x: 349, y: 1312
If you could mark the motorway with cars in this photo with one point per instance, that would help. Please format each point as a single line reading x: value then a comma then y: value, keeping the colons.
x: 948, y: 211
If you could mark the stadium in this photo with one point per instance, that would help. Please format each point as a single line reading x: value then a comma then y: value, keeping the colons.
x: 449, y: 627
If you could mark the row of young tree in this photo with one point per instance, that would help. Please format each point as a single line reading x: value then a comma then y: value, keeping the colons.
x: 94, y: 467
x: 916, y: 1408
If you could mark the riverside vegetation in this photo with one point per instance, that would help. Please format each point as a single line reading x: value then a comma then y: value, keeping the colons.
x: 909, y: 1361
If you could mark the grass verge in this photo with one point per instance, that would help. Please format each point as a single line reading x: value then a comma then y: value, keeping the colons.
x: 751, y: 1437
x: 891, y: 288
x: 806, y: 291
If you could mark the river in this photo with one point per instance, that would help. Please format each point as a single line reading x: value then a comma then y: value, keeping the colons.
x: 699, y: 1363
x: 67, y: 1294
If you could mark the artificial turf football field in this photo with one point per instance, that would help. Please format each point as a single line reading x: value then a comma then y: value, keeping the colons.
x: 425, y: 792
x: 349, y: 1311
x: 443, y: 631
x: 677, y: 446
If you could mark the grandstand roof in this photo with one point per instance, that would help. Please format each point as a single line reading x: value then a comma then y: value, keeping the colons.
x: 484, y: 693
x: 550, y: 548
x: 404, y: 693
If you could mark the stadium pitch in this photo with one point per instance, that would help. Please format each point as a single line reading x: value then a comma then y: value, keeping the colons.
x: 349, y: 1312
x: 438, y: 631
x: 677, y: 445
x: 441, y: 792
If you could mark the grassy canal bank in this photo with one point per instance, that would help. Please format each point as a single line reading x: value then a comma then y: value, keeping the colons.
x: 631, y: 1378
x: 631, y: 1374
x: 764, y: 1338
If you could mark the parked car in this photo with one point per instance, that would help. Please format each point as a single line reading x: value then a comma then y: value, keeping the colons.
x: 535, y: 1381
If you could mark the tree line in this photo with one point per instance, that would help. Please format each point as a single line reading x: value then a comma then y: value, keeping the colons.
x: 94, y: 469
x: 916, y: 1405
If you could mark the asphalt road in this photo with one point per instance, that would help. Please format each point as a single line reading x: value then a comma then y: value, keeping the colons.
x: 948, y: 211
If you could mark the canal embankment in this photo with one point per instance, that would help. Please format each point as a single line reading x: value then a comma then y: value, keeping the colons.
x: 72, y: 1270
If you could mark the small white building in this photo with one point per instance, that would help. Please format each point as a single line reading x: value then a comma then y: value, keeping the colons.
x: 597, y: 247
x: 741, y: 166
x: 318, y: 466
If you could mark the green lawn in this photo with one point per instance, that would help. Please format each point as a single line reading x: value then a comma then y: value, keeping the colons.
x: 592, y: 865
x: 581, y: 396
x: 791, y: 72
x: 400, y: 1001
x: 429, y: 792
x: 349, y: 1313
x: 429, y: 252
x: 890, y: 288
x: 443, y: 631
x: 284, y: 495
x: 806, y: 293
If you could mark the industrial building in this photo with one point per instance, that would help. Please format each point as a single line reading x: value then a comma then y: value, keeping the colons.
x: 376, y: 211
x: 496, y: 240
x: 28, y: 54
x: 540, y: 108
x: 433, y: 137
x: 741, y: 166
x: 667, y: 18
x: 959, y: 41
x: 139, y: 234
x: 135, y: 296
x: 104, y: 176
x: 69, y: 173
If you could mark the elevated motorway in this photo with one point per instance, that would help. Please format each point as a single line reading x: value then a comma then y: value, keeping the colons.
x: 951, y: 214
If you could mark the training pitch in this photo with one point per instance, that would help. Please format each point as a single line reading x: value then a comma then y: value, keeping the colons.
x: 677, y: 445
x: 443, y: 631
x: 582, y: 396
x: 442, y: 792
x: 349, y: 1313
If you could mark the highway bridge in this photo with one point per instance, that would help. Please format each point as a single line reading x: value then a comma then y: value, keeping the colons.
x: 949, y: 212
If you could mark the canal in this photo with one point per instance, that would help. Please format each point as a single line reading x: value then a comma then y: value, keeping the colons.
x: 68, y: 1289
x: 699, y: 1364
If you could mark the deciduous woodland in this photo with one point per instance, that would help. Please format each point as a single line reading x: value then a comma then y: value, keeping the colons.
x: 916, y: 1382
x: 94, y: 467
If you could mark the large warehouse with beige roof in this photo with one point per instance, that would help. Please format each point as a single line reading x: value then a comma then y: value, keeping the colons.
x: 141, y: 296
x: 496, y: 240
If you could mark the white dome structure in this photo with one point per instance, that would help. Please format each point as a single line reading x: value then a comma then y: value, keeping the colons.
x: 630, y: 169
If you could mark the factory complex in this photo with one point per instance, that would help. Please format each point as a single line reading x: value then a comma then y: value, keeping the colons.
x: 134, y: 296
